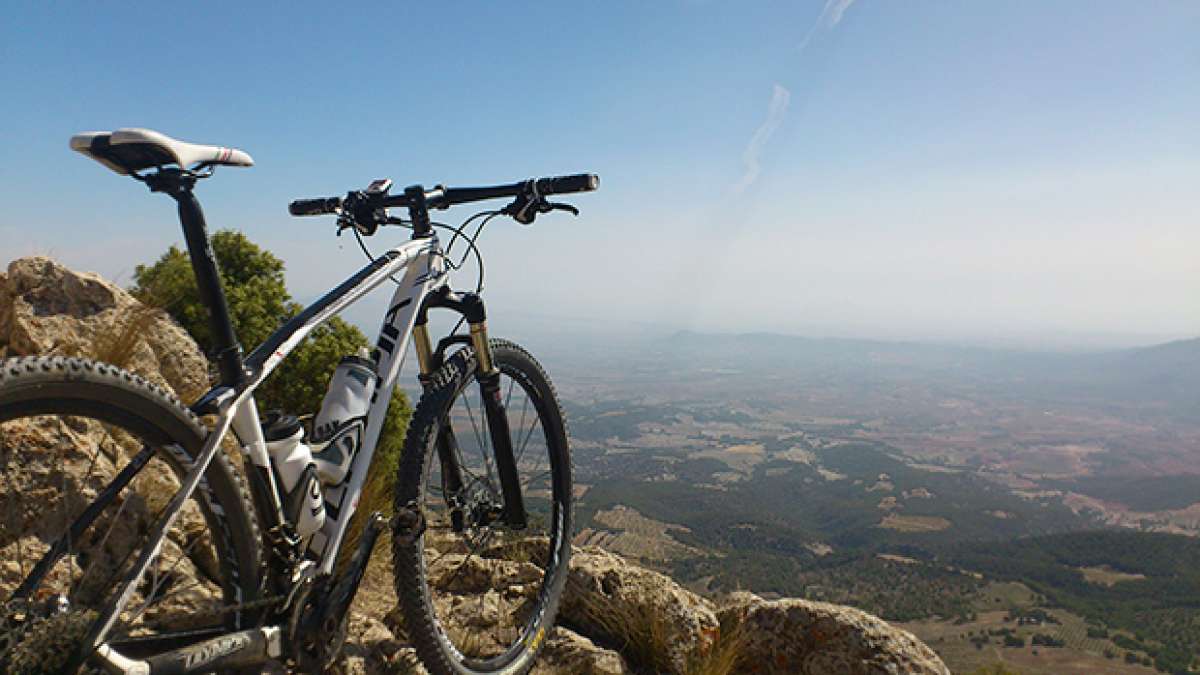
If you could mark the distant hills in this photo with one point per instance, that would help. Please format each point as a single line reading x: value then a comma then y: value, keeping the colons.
x: 1165, y: 375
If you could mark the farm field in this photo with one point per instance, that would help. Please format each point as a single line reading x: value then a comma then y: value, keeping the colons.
x: 960, y: 645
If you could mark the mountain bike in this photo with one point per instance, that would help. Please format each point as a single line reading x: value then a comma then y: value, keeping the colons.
x: 132, y: 543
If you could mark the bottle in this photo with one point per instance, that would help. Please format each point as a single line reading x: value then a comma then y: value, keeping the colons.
x: 303, y: 501
x: 340, y: 426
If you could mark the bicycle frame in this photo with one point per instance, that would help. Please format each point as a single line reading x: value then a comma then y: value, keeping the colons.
x: 421, y: 268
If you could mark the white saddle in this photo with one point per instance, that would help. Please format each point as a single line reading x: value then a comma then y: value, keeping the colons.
x: 128, y: 150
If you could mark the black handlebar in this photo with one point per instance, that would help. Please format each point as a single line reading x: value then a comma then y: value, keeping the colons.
x: 315, y: 207
x: 561, y: 185
x: 443, y: 197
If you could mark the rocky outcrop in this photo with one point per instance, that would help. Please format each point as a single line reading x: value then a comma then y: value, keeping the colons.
x: 45, y: 482
x: 802, y: 636
x: 47, y: 309
x: 616, y: 618
x: 664, y: 625
x: 569, y: 652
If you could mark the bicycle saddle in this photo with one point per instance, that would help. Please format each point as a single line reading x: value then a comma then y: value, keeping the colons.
x: 128, y: 150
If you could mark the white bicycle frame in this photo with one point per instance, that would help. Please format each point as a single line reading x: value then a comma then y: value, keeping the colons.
x: 421, y: 268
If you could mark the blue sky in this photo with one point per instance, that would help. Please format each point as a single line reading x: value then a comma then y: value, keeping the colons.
x: 1018, y: 172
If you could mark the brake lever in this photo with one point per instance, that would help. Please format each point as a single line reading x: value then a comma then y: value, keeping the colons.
x: 547, y: 207
x: 524, y: 209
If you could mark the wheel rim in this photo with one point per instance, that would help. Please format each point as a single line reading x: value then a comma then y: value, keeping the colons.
x: 486, y: 585
x: 52, y: 468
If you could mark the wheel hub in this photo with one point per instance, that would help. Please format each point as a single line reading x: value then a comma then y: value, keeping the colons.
x: 480, y: 505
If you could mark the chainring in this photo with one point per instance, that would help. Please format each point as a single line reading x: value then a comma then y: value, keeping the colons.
x: 316, y: 639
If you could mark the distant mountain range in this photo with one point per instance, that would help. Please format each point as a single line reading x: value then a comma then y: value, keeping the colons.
x: 1168, y: 373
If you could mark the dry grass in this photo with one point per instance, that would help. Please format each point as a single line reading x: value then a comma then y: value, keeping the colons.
x: 641, y: 634
x: 377, y: 495
x: 117, y: 343
x: 901, y: 523
x: 1106, y: 576
x: 725, y: 656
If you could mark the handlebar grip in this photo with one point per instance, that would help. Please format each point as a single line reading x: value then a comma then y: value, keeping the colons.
x: 315, y: 207
x: 557, y: 185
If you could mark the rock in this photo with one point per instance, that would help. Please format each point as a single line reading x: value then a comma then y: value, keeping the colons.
x: 816, y: 638
x: 569, y: 652
x: 46, y: 308
x: 52, y: 467
x: 655, y: 621
x: 372, y: 649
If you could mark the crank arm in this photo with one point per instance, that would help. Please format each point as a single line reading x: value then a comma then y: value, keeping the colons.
x: 235, y: 650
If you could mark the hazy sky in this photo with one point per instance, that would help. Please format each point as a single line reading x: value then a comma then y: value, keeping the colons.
x: 983, y: 171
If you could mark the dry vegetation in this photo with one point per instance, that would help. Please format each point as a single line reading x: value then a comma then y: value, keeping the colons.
x: 895, y: 521
x: 1107, y: 576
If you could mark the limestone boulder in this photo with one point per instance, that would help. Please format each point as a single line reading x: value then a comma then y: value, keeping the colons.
x: 645, y: 613
x: 818, y: 638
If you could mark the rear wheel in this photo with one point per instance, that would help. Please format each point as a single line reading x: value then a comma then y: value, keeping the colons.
x: 89, y: 457
x: 478, y: 596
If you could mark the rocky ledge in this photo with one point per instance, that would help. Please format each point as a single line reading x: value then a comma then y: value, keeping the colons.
x: 616, y: 616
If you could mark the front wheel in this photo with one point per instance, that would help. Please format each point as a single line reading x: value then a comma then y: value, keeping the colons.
x: 479, y: 596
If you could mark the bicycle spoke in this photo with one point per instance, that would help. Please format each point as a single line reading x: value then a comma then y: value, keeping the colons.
x: 529, y: 482
x: 437, y: 560
x: 67, y: 517
x: 462, y: 464
x: 69, y: 526
x: 525, y: 442
x: 176, y: 590
x: 158, y: 574
x: 19, y: 537
x: 100, y: 546
x: 461, y: 566
x: 471, y: 416
x: 524, y: 407
x: 486, y: 450
x: 85, y: 519
x: 487, y: 464
x: 99, y: 448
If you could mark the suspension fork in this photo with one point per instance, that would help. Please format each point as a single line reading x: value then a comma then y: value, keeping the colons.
x: 488, y: 376
x: 452, y: 481
x: 470, y: 306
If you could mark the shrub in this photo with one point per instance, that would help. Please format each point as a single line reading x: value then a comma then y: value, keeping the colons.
x: 1014, y: 641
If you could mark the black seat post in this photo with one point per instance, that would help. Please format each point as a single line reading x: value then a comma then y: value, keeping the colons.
x: 228, y: 352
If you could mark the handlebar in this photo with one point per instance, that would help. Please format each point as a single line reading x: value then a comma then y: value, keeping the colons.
x: 444, y: 197
x: 315, y: 207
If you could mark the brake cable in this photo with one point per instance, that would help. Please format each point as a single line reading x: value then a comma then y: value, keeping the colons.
x: 458, y: 232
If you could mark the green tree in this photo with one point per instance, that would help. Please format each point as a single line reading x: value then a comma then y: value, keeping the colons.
x: 258, y: 304
x: 253, y: 281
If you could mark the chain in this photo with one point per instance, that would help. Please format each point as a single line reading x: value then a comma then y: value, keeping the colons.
x: 14, y: 633
x: 245, y: 606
